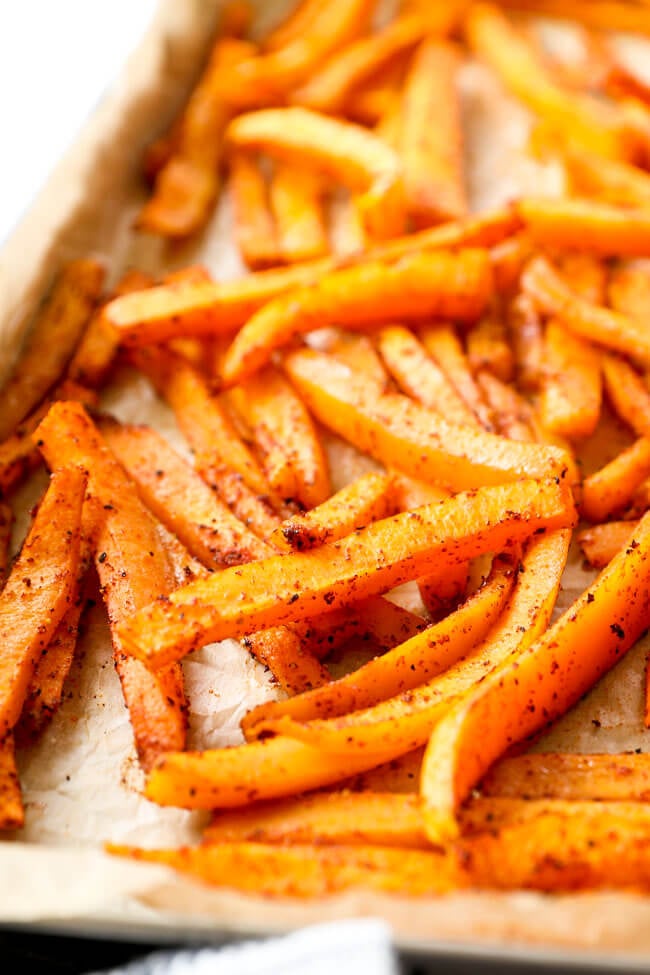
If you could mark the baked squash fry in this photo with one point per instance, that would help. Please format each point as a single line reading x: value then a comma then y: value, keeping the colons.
x: 586, y: 226
x: 12, y: 813
x: 445, y: 348
x: 571, y: 776
x: 572, y: 386
x: 627, y: 393
x: 6, y: 525
x: 253, y: 224
x: 296, y: 199
x: 600, y: 543
x: 609, y: 490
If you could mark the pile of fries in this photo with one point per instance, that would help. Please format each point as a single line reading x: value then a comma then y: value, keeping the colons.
x: 473, y: 357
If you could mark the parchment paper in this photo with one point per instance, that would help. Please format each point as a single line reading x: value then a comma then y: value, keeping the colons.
x: 81, y: 781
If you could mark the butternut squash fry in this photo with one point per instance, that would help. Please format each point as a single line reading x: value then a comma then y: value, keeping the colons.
x: 628, y: 291
x: 397, y: 432
x: 12, y: 813
x: 419, y: 659
x: 513, y: 414
x: 600, y: 543
x: 587, y: 226
x: 133, y: 569
x: 50, y: 342
x: 243, y: 599
x: 553, y: 296
x: 587, y: 275
x: 6, y: 524
x: 432, y: 155
x: 488, y: 349
x: 254, y: 226
x: 610, y: 489
x: 295, y: 196
x: 41, y: 582
x: 537, y: 685
x: 421, y: 377
x: 296, y: 669
x: 606, y: 180
x: 359, y: 353
x: 402, y: 775
x: 365, y: 500
x: 444, y: 346
x: 509, y: 257
x: 527, y: 342
x: 568, y: 776
x: 572, y: 387
x: 348, y: 153
x: 627, y: 393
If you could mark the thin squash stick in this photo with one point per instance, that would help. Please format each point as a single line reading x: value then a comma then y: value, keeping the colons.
x: 527, y: 342
x: 298, y: 22
x: 185, y: 567
x: 437, y: 285
x: 498, y: 813
x: 296, y: 200
x: 309, y: 871
x: 365, y: 500
x: 402, y: 775
x: 587, y: 226
x: 606, y: 180
x: 133, y: 569
x: 51, y: 341
x: 405, y: 721
x: 328, y: 90
x: 42, y: 583
x: 294, y: 459
x: 587, y: 275
x: 296, y: 669
x: 571, y: 395
x: 627, y: 393
x: 512, y: 412
x: 432, y: 155
x: 421, y: 377
x: 445, y: 348
x: 595, y: 125
x: 243, y: 599
x: 196, y: 351
x: 167, y: 311
x: 401, y: 434
x: 600, y: 543
x: 12, y: 813
x: 254, y: 226
x: 180, y: 499
x: 611, y: 488
x: 536, y: 686
x: 187, y: 185
x: 358, y: 352
x: 604, y: 15
x: 553, y: 297
x: 551, y: 775
x: 488, y: 348
x: 348, y: 153
x: 417, y: 660
x: 6, y: 524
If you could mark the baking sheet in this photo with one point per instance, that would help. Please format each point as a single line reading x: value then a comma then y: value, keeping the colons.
x: 81, y: 782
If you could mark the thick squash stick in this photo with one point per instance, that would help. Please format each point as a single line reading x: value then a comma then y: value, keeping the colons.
x: 511, y: 411
x: 12, y: 814
x: 6, y: 524
x: 445, y: 348
x: 50, y: 342
x: 609, y: 490
x: 536, y: 686
x: 180, y: 499
x: 419, y: 659
x: 348, y: 153
x: 309, y: 871
x: 283, y: 429
x: 402, y: 775
x: 438, y: 285
x: 527, y: 342
x: 329, y: 89
x: 601, y: 543
x: 296, y: 199
x: 572, y: 386
x: 404, y: 722
x: 243, y: 599
x: 365, y: 500
x: 570, y: 776
x: 627, y: 393
x: 209, y: 308
x: 592, y: 228
x: 421, y: 377
x: 592, y: 124
x: 41, y: 583
x: 399, y: 433
x: 133, y: 569
x: 432, y: 155
x: 488, y: 349
x: 554, y: 297
x: 296, y: 669
x: 254, y: 226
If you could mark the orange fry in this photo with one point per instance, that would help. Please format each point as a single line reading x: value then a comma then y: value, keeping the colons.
x: 553, y: 296
x: 51, y: 341
x: 432, y: 155
x: 402, y: 775
x: 6, y: 524
x: 606, y: 180
x: 12, y: 814
x: 627, y: 393
x: 296, y: 669
x: 488, y: 348
x: 254, y: 226
x: 586, y: 226
x: 359, y: 354
x: 609, y: 490
x: 444, y: 346
x: 567, y: 776
x: 628, y: 291
x: 437, y: 285
x: 527, y: 342
x: 365, y: 500
x: 537, y: 685
x: 243, y: 599
x: 421, y: 377
x: 344, y: 151
x: 572, y: 387
x: 401, y: 434
x: 600, y: 543
x: 513, y: 414
x: 297, y: 206
x: 42, y: 583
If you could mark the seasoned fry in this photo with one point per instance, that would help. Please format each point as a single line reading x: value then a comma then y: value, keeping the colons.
x: 294, y: 460
x: 51, y: 341
x: 296, y: 669
x: 520, y: 697
x: 41, y: 583
x: 444, y: 346
x: 375, y: 619
x: 627, y: 393
x: 12, y: 814
x: 365, y: 500
x: 432, y: 155
x: 560, y: 776
x: 442, y: 594
x: 254, y: 226
x: 297, y: 206
x: 402, y: 434
x: 358, y: 352
x: 402, y: 775
x: 527, y: 341
x: 133, y: 569
x: 417, y: 660
x: 606, y: 180
x: 509, y: 257
x: 437, y: 285
x: 421, y: 377
x: 610, y: 489
x: 513, y: 414
x: 488, y: 349
x: 572, y: 386
x: 347, y: 152
x: 611, y: 329
x: 587, y: 226
x: 6, y: 524
x: 600, y: 543
x: 380, y: 556
x: 628, y: 291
